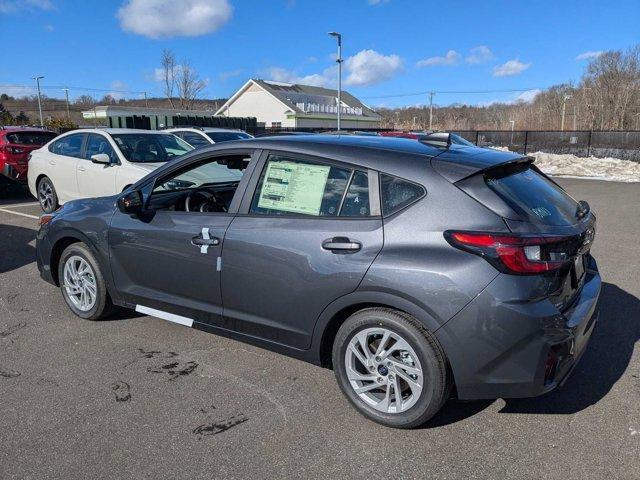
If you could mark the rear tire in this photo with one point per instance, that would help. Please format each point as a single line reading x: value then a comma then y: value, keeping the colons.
x: 47, y: 195
x: 82, y: 283
x: 410, y: 361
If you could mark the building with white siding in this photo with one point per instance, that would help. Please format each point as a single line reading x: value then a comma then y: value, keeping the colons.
x: 277, y: 104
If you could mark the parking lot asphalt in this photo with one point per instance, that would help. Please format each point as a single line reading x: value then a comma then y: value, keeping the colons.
x: 137, y: 397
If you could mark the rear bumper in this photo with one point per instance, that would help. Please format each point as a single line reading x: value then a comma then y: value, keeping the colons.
x: 13, y: 173
x: 502, y: 347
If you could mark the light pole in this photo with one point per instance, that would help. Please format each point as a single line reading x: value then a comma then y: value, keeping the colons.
x: 431, y: 94
x: 339, y: 60
x: 66, y: 94
x: 564, y: 106
x: 37, y: 79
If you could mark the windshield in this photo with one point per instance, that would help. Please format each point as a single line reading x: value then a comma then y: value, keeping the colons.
x: 227, y: 136
x: 30, y: 138
x: 536, y: 198
x: 150, y: 147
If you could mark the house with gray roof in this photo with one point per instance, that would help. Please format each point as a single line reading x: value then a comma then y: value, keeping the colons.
x: 278, y: 104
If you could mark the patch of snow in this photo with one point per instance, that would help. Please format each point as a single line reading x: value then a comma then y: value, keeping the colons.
x: 567, y: 165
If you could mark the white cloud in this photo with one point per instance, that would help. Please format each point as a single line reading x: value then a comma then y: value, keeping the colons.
x: 279, y: 74
x: 365, y: 68
x: 171, y: 18
x: 451, y: 58
x: 12, y: 6
x: 49, y: 28
x: 479, y: 54
x: 510, y: 68
x: 378, y: 2
x: 369, y: 67
x: 589, y: 55
x: 528, y: 96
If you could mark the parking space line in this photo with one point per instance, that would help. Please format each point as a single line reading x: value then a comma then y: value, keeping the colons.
x: 30, y: 204
x: 19, y: 213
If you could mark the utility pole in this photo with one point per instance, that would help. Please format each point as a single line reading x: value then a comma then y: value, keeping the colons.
x: 431, y: 94
x: 339, y: 60
x: 37, y: 79
x: 564, y: 106
x: 146, y: 104
x: 66, y: 94
x: 513, y: 122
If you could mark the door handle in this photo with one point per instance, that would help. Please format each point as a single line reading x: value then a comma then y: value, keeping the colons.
x: 82, y: 169
x: 52, y: 162
x: 341, y: 245
x: 204, y: 241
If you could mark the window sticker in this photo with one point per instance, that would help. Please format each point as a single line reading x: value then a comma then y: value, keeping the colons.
x: 294, y: 187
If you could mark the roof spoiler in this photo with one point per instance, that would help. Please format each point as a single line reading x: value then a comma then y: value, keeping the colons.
x: 437, y: 139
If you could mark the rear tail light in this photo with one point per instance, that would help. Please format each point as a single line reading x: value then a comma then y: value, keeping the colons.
x: 522, y: 255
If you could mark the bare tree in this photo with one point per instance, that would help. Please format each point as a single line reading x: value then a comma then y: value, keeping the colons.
x: 190, y: 85
x: 606, y: 98
x: 169, y: 73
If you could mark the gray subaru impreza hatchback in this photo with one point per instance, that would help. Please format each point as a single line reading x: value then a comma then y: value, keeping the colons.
x: 416, y: 270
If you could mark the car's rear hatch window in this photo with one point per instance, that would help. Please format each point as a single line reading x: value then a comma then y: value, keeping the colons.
x: 532, y: 196
x: 29, y: 138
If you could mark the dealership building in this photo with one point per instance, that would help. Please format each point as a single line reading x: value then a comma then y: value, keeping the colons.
x: 287, y: 105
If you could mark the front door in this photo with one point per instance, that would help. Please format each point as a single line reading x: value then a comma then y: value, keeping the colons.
x: 167, y: 261
x: 97, y: 179
x: 310, y: 232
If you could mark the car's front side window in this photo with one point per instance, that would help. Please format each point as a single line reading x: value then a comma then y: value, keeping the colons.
x: 98, y: 144
x: 290, y: 186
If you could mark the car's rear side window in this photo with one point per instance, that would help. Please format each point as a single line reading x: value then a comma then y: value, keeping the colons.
x: 69, y: 146
x: 533, y: 196
x: 397, y: 193
x: 290, y: 186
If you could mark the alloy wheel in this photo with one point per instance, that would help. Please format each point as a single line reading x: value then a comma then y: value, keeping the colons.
x: 384, y: 370
x: 80, y: 283
x: 45, y: 195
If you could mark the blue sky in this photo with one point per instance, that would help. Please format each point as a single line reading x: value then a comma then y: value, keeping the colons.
x: 391, y: 47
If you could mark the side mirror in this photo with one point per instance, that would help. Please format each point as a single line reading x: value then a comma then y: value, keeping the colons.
x: 131, y: 202
x: 102, y: 158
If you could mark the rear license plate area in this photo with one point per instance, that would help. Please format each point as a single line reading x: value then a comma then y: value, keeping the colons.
x: 577, y: 270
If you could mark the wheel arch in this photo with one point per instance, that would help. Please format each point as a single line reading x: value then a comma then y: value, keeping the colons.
x: 337, y: 312
x: 69, y: 236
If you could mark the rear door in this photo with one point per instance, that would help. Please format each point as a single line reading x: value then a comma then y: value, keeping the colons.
x: 65, y: 153
x: 97, y: 179
x: 307, y: 232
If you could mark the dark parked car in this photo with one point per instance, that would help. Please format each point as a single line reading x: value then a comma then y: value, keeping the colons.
x: 16, y: 143
x: 413, y: 271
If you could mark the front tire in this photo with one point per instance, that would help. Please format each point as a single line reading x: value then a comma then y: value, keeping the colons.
x: 47, y: 195
x: 391, y: 368
x: 82, y: 283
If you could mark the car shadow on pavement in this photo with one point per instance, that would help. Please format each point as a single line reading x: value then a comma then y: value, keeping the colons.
x: 603, y: 364
x: 14, y: 242
x: 14, y: 194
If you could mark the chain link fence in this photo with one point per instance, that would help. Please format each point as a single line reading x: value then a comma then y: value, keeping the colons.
x: 624, y: 145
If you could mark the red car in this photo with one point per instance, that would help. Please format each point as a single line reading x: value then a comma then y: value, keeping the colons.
x: 15, y: 145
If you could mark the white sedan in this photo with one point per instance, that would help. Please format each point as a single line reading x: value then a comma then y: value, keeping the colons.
x: 100, y: 162
x: 199, y: 137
